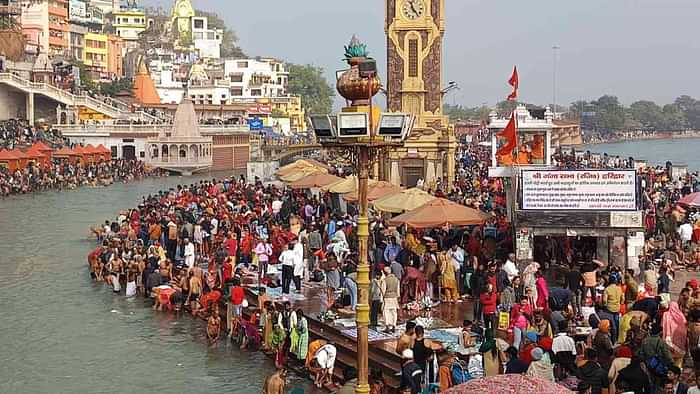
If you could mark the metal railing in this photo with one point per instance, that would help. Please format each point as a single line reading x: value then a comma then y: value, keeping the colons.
x: 118, y: 110
x: 145, y: 128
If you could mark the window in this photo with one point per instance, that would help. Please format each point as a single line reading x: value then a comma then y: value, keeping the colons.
x: 199, y: 23
x: 242, y: 64
x: 237, y: 92
x: 255, y: 92
x: 197, y: 35
x: 237, y: 78
x: 413, y: 57
x: 210, y: 35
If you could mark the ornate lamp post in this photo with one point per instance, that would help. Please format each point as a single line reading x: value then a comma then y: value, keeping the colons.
x: 359, y: 85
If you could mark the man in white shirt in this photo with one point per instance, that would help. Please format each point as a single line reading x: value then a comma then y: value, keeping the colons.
x: 564, y: 347
x: 189, y: 253
x: 276, y: 206
x: 298, y: 264
x: 685, y: 231
x: 457, y: 259
x: 510, y: 268
x: 287, y: 259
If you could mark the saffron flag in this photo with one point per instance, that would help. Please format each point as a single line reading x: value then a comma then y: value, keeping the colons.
x: 513, y: 82
x: 509, y: 134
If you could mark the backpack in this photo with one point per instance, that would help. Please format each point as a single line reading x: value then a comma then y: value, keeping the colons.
x: 460, y: 373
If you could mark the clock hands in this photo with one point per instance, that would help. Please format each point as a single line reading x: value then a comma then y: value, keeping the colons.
x: 413, y: 6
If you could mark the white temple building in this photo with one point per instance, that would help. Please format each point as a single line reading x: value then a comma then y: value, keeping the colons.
x: 183, y: 149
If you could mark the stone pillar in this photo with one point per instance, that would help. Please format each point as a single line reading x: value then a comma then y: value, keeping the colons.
x: 395, y: 176
x: 30, y: 108
x: 430, y: 174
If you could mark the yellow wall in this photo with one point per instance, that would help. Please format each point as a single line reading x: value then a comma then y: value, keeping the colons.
x: 96, y: 45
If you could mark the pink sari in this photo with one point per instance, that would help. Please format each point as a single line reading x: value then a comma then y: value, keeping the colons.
x: 675, y: 328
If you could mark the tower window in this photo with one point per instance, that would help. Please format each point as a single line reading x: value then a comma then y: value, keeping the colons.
x: 413, y: 57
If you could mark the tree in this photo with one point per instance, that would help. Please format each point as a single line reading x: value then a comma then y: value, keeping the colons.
x: 112, y: 88
x: 308, y: 82
x: 610, y: 115
x: 691, y: 109
x: 673, y: 118
x: 458, y: 112
x: 647, y: 113
x: 229, y: 40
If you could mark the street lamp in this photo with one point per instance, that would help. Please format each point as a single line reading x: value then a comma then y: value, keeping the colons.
x: 355, y: 136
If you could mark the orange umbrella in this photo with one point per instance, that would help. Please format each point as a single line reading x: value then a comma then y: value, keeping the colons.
x: 440, y: 213
x: 316, y: 180
x: 375, y: 191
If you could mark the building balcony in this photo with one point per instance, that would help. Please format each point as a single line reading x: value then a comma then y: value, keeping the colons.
x: 58, y: 11
x: 58, y: 41
x: 58, y: 27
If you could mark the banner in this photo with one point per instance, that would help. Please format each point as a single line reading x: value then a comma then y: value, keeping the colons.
x: 572, y: 190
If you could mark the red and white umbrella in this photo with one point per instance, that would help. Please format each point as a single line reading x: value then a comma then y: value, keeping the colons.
x: 691, y: 200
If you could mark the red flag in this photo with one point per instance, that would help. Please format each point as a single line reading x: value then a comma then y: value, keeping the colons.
x: 513, y: 81
x: 509, y: 133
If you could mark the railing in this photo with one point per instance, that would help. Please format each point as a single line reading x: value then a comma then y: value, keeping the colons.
x: 144, y: 128
x: 83, y: 99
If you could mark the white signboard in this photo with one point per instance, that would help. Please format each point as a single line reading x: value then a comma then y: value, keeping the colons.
x: 575, y: 190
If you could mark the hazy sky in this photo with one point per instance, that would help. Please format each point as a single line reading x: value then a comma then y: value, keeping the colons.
x: 635, y: 49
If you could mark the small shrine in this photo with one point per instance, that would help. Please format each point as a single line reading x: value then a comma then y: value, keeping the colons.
x: 183, y: 150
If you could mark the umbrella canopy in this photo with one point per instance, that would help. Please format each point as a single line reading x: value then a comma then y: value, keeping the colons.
x: 316, y: 180
x: 375, y: 191
x: 691, y: 200
x: 508, y: 384
x: 347, y: 185
x: 297, y: 166
x: 406, y: 200
x: 439, y: 213
x: 296, y: 175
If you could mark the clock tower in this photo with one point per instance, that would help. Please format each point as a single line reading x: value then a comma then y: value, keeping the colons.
x: 415, y: 30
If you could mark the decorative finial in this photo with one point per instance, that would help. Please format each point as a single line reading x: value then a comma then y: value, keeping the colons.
x: 356, y: 48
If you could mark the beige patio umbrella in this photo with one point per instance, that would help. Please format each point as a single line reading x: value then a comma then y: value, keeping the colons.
x: 375, y: 191
x: 316, y: 180
x: 440, y: 212
x: 406, y: 200
x: 300, y: 173
x: 299, y: 165
x: 346, y: 185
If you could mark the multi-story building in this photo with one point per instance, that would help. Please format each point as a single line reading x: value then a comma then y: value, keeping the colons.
x: 290, y: 106
x: 45, y: 25
x: 83, y: 17
x: 259, y: 77
x: 106, y: 6
x: 115, y: 59
x: 206, y: 41
x: 96, y: 55
x: 128, y: 23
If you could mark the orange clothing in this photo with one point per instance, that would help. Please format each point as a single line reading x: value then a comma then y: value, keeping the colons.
x: 445, y: 378
x: 154, y: 232
x: 505, y: 160
x: 538, y: 147
x: 523, y: 157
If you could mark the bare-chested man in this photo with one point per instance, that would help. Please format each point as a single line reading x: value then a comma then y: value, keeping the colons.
x: 407, y: 339
x: 275, y: 383
x: 214, y: 326
x: 195, y: 291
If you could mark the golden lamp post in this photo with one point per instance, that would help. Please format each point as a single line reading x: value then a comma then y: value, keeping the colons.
x: 360, y: 135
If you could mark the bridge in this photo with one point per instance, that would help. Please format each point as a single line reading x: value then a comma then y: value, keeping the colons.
x: 112, y: 108
x: 282, y: 152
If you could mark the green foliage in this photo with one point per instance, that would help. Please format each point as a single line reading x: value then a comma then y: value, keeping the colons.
x: 308, y: 82
x: 229, y: 40
x: 112, y: 88
x: 86, y: 81
x: 458, y: 112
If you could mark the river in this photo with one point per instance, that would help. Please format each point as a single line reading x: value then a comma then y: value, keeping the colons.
x: 681, y: 150
x: 61, y: 332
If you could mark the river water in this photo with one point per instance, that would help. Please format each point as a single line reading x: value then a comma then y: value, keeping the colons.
x: 60, y: 332
x: 685, y: 151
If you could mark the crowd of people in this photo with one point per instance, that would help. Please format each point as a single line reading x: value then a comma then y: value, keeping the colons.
x: 582, y: 323
x: 15, y: 132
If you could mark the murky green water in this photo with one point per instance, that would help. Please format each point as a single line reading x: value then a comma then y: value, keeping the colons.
x: 62, y: 333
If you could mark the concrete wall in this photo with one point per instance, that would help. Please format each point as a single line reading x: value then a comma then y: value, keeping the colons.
x: 264, y: 170
x: 12, y: 104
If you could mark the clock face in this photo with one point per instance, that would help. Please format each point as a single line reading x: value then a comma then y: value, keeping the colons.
x: 413, y: 9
